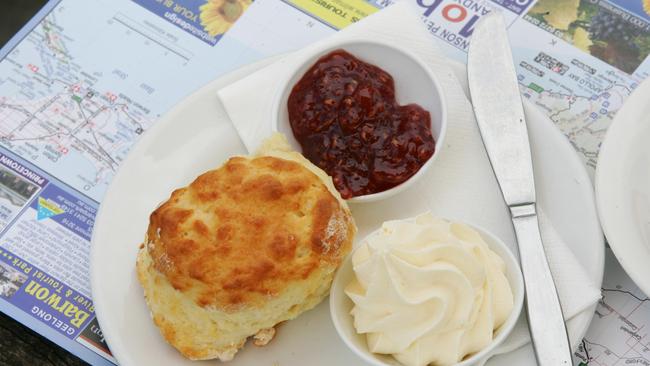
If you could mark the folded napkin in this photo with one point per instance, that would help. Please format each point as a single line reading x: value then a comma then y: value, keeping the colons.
x: 463, y: 159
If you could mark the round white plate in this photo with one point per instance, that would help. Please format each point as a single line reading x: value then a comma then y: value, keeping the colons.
x: 623, y: 186
x: 197, y: 136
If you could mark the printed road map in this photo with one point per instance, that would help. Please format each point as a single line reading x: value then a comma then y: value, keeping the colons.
x: 94, y: 75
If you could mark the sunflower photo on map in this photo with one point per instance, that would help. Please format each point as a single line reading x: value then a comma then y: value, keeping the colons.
x: 217, y: 16
x: 614, y: 31
x: 207, y: 20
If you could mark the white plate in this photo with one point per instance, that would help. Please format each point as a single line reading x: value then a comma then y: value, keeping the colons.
x: 197, y: 136
x: 623, y: 186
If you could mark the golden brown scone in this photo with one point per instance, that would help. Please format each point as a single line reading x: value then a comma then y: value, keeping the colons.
x: 241, y: 249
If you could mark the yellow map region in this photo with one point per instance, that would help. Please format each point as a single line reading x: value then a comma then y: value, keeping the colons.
x: 337, y: 13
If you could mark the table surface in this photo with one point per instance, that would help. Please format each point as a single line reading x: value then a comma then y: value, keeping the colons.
x: 22, y: 346
x: 19, y: 344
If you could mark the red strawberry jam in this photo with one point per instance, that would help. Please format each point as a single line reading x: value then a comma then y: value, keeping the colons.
x: 344, y: 114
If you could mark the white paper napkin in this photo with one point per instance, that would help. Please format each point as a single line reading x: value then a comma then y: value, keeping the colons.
x: 463, y: 155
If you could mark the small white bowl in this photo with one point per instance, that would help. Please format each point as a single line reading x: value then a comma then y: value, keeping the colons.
x: 414, y: 83
x: 341, y: 305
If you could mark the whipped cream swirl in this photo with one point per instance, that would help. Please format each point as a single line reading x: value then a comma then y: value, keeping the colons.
x: 428, y: 291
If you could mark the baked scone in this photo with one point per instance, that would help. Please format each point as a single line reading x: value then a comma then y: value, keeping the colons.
x: 241, y: 249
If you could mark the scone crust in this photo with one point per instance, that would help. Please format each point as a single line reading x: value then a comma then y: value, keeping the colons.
x: 244, y: 232
x: 240, y: 249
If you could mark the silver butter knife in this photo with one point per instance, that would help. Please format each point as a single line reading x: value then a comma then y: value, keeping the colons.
x: 497, y: 105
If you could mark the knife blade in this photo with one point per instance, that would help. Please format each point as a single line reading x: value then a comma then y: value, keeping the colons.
x: 500, y: 116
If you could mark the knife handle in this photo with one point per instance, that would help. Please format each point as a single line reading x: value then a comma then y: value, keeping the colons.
x: 545, y: 320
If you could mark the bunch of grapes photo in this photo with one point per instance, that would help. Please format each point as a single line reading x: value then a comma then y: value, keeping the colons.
x: 616, y: 40
x: 614, y: 34
x: 607, y: 26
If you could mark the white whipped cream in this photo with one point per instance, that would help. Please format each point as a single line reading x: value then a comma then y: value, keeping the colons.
x: 428, y: 291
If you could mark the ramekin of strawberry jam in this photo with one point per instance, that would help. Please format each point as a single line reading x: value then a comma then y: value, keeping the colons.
x: 344, y: 114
